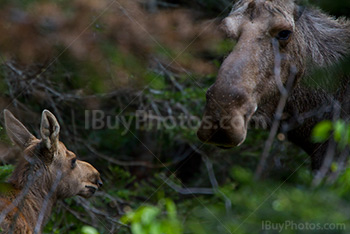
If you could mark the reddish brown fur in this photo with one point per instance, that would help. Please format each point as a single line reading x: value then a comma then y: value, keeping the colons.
x: 46, y: 172
x: 246, y: 90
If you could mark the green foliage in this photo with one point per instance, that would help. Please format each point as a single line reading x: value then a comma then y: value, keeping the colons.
x: 62, y: 221
x: 242, y: 175
x: 151, y: 220
x: 5, y: 171
x: 254, y: 203
x: 3, y: 136
x: 339, y: 129
x: 224, y: 47
x: 342, y: 186
x: 155, y: 81
x: 121, y: 178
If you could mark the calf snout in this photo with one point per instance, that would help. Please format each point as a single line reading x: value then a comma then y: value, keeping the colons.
x: 99, y: 182
x: 96, y: 180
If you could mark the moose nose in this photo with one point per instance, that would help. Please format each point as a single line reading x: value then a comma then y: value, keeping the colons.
x: 99, y: 183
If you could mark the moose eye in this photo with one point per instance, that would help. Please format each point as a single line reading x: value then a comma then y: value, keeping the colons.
x: 284, y: 35
x: 73, y: 163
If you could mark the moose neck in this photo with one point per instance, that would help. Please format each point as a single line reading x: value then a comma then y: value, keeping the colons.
x: 327, y: 40
x: 322, y: 42
x: 35, y: 196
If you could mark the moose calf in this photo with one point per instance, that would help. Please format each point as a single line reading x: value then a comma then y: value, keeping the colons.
x: 46, y: 171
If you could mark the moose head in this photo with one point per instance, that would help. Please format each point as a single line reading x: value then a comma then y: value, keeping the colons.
x: 45, y: 172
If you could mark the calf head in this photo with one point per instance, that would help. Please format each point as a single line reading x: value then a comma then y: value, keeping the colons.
x: 247, y: 77
x: 51, y: 157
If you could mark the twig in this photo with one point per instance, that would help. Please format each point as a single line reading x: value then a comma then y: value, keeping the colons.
x: 282, y: 103
x: 331, y: 148
x: 133, y: 163
x: 170, y: 76
x: 214, y: 182
x: 116, y: 200
x: 74, y: 213
x: 86, y: 204
x: 13, y: 68
x: 186, y: 191
x: 341, y: 166
x: 46, y: 202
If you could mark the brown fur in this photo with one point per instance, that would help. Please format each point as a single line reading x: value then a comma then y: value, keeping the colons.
x: 46, y: 172
x: 246, y: 90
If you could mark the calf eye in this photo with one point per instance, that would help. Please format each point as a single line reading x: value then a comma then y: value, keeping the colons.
x: 73, y: 163
x: 284, y: 35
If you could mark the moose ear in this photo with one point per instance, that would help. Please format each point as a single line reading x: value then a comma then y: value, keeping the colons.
x: 16, y: 131
x: 49, y: 130
x: 298, y: 12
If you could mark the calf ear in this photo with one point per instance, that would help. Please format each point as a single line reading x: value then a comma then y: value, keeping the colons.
x: 49, y: 130
x: 18, y: 134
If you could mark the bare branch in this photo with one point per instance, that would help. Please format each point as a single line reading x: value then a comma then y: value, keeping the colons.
x: 186, y: 191
x: 280, y: 107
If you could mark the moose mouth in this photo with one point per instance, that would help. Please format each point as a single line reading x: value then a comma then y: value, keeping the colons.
x: 228, y: 131
x: 227, y: 136
x: 91, y: 189
x: 225, y: 147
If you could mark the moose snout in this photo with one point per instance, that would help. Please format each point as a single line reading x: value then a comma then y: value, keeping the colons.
x: 99, y: 183
x: 94, y: 186
x: 228, y: 131
x: 97, y: 180
x: 226, y: 116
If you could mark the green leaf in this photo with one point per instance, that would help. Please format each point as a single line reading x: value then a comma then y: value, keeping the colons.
x: 241, y: 174
x: 171, y: 209
x: 5, y: 171
x: 89, y: 230
x: 149, y: 219
x: 149, y: 214
x: 136, y: 228
x: 339, y: 130
x: 334, y: 167
x: 156, y: 228
x: 341, y: 133
x: 321, y: 131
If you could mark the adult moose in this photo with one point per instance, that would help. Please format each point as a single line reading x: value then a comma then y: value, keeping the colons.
x: 249, y: 81
x: 46, y: 172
